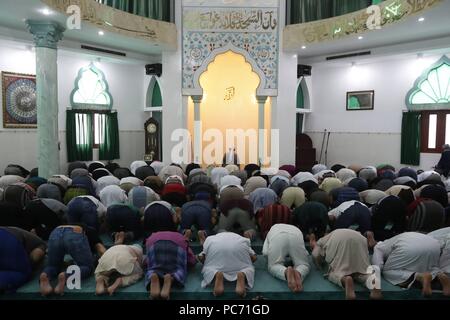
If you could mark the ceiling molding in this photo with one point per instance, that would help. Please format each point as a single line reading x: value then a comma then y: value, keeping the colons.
x: 121, y: 22
x: 392, y: 11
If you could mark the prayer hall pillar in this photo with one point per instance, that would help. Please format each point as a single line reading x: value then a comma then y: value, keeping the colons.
x: 197, y: 130
x: 261, y: 136
x: 46, y: 35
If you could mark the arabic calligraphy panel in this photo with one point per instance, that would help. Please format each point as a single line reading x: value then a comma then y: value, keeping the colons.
x: 252, y: 29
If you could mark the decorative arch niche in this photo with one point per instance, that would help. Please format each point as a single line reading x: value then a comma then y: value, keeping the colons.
x: 261, y: 90
x: 91, y: 90
x: 154, y: 97
x: 431, y: 91
x: 229, y: 87
x: 302, y: 95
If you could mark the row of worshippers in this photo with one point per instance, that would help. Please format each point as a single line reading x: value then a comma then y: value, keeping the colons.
x: 248, y: 200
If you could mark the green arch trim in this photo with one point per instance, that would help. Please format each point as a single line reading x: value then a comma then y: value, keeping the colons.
x: 154, y: 95
x: 431, y: 91
x: 300, y: 97
x: 102, y: 91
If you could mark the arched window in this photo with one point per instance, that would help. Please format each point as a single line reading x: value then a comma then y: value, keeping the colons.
x: 91, y: 123
x: 430, y: 99
x: 300, y: 97
x: 154, y: 95
x: 302, y: 105
x: 91, y: 90
x: 431, y: 90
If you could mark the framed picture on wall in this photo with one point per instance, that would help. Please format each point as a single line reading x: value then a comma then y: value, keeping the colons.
x: 360, y: 100
x: 19, y: 100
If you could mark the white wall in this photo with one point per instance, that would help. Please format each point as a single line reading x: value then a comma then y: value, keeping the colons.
x: 284, y: 105
x: 174, y: 113
x: 364, y: 137
x: 125, y: 79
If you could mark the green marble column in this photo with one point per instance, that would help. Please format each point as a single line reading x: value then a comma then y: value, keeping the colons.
x: 46, y: 36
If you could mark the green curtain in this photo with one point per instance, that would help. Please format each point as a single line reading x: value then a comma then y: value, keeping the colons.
x: 410, y: 153
x: 312, y: 10
x: 110, y: 148
x: 154, y: 9
x: 78, y: 136
x: 341, y: 7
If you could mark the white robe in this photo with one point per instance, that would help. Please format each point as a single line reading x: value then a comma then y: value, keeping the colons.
x: 443, y: 236
x: 229, y: 253
x: 126, y: 260
x: 285, y: 240
x: 406, y: 254
x: 112, y: 194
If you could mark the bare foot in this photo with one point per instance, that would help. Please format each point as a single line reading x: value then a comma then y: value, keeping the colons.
x: 44, y: 283
x: 165, y: 292
x: 114, y: 286
x: 188, y: 234
x: 100, y: 286
x: 445, y: 282
x: 425, y: 279
x: 201, y: 234
x: 371, y: 242
x: 290, y: 277
x: 218, y: 285
x: 59, y: 289
x: 155, y: 288
x: 376, y: 294
x: 119, y: 238
x: 349, y: 288
x: 298, y: 281
x: 240, y: 285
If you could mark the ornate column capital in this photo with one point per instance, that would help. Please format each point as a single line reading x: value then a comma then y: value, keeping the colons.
x: 46, y: 34
x: 197, y: 99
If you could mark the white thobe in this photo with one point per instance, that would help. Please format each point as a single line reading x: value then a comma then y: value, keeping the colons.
x: 285, y: 240
x: 443, y: 236
x: 402, y: 256
x: 229, y: 253
x: 123, y: 259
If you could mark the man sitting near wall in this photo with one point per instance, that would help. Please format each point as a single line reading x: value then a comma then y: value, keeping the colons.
x: 231, y: 157
x: 443, y: 166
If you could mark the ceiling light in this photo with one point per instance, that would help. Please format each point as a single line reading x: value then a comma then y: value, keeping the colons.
x: 303, y: 47
x: 46, y: 11
x: 101, y: 33
x: 421, y: 19
x: 360, y: 37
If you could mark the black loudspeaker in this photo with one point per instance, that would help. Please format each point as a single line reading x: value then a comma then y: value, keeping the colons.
x: 303, y: 70
x: 154, y: 69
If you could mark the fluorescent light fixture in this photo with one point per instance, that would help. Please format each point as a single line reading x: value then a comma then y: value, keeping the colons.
x: 303, y: 47
x: 360, y: 37
x: 421, y: 19
x: 101, y: 33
